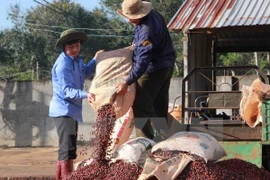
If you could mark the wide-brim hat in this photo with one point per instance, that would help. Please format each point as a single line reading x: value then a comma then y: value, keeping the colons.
x: 134, y: 9
x: 70, y: 35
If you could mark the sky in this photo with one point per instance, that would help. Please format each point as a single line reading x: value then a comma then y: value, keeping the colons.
x: 27, y: 4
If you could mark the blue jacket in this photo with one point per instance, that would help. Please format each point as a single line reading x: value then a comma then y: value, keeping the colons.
x: 153, y: 47
x: 68, y: 77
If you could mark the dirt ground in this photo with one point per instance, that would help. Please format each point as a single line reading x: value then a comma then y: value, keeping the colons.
x: 32, y: 163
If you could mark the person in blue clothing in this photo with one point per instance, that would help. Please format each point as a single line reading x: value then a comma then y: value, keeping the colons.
x: 68, y: 76
x: 153, y: 64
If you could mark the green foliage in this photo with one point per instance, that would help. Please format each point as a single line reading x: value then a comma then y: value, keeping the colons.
x: 112, y: 5
x: 264, y: 63
x: 229, y: 59
x: 167, y: 8
x: 178, y: 45
x: 162, y: 6
x: 243, y: 59
x: 32, y: 39
x: 240, y: 59
x: 14, y: 74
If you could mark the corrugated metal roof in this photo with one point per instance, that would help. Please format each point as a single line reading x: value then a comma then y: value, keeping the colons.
x: 195, y: 14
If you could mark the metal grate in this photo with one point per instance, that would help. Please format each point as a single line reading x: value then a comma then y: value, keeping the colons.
x: 266, y: 121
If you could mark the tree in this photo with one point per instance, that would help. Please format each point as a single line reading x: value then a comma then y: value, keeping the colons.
x: 32, y: 39
x: 63, y: 14
x: 5, y: 53
x: 162, y: 6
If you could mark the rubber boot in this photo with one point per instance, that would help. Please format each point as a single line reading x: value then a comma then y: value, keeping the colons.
x: 65, y: 168
x: 71, y: 166
x: 58, y: 170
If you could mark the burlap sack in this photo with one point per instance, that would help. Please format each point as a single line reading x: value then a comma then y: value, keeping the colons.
x: 112, y: 68
x: 122, y: 130
x: 251, y: 105
x: 149, y: 166
x: 176, y: 113
x: 166, y: 170
x: 250, y: 109
x: 245, y: 91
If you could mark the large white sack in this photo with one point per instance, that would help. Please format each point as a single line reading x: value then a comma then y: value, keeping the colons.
x: 201, y: 144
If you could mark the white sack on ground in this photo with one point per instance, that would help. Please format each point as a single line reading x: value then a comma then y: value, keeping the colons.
x: 200, y: 144
x: 132, y: 150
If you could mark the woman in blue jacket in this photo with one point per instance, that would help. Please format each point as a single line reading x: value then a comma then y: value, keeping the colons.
x: 68, y: 76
